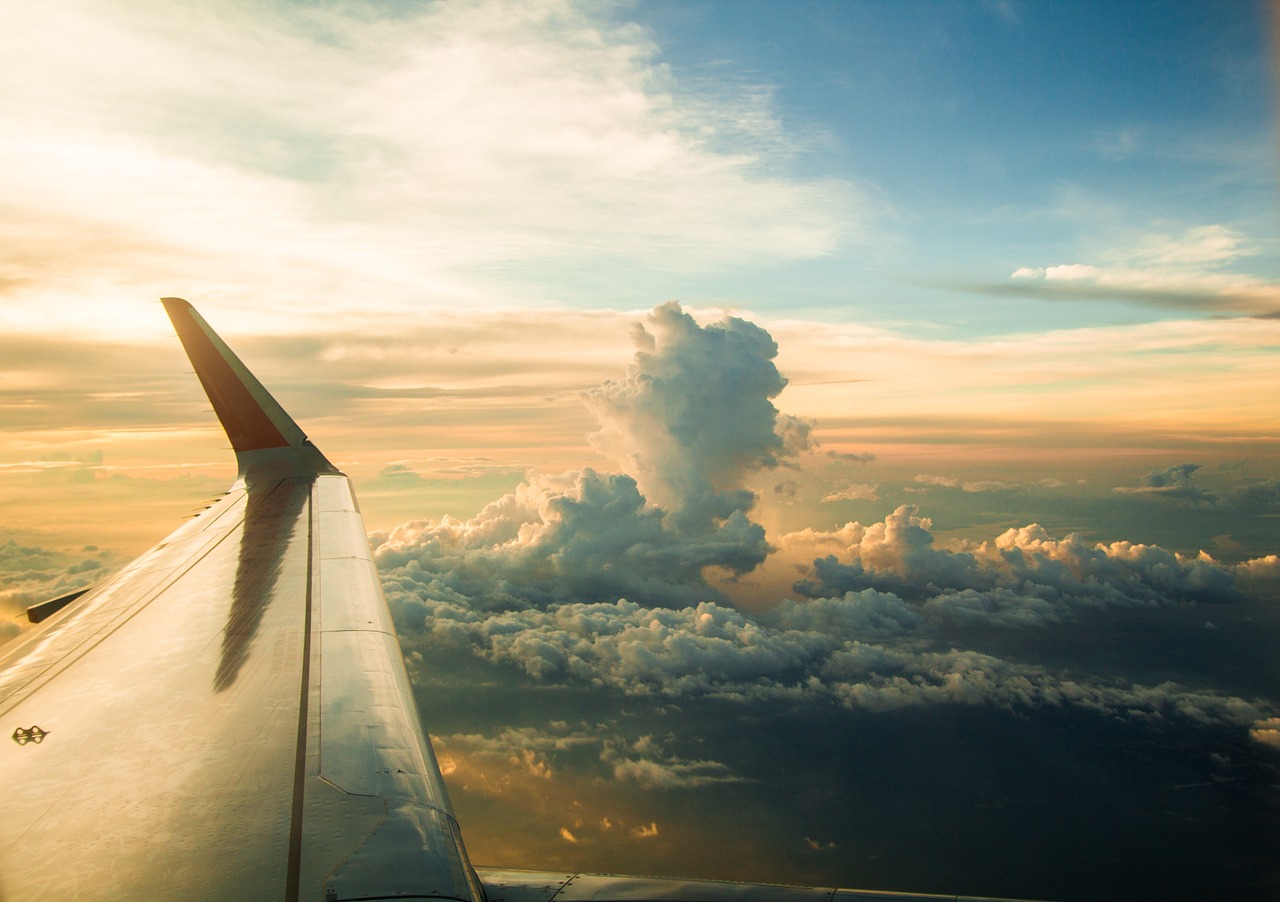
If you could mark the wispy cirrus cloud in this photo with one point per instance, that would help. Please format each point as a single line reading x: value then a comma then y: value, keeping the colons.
x: 302, y: 152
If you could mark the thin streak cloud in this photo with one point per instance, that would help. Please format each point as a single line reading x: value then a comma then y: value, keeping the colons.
x: 1191, y: 271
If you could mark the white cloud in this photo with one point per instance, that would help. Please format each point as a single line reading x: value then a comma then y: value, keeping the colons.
x: 666, y: 773
x: 308, y: 152
x: 855, y: 491
x: 872, y: 637
x: 690, y: 420
x: 898, y: 555
x: 1191, y: 269
x: 943, y: 481
x: 694, y: 414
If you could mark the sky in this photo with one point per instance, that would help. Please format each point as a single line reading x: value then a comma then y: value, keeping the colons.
x: 844, y: 429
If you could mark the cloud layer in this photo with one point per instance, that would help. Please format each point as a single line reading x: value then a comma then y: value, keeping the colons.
x: 585, y: 578
x: 31, y: 575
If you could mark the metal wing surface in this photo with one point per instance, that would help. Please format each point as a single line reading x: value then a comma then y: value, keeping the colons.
x: 229, y: 717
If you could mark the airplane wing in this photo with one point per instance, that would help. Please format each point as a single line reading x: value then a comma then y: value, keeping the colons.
x: 229, y: 716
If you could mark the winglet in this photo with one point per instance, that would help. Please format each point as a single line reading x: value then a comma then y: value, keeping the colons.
x: 262, y: 434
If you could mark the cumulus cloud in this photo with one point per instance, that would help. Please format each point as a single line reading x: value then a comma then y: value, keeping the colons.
x: 690, y: 420
x: 1260, y: 576
x: 869, y: 651
x: 1175, y: 483
x: 577, y: 535
x: 517, y: 759
x: 1038, y: 576
x: 694, y: 414
x: 944, y: 481
x: 873, y: 635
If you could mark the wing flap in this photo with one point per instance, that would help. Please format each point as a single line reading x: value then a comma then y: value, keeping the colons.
x: 38, y: 613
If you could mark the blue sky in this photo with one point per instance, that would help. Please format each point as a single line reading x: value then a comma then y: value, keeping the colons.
x: 989, y: 137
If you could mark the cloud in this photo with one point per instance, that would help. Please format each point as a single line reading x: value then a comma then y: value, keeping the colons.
x: 867, y: 615
x: 647, y: 764
x: 582, y: 579
x: 1267, y: 732
x: 873, y: 635
x: 856, y: 491
x: 1189, y: 270
x: 578, y: 535
x: 202, y: 143
x: 868, y: 651
x: 864, y: 457
x: 944, y: 481
x: 1175, y: 483
x: 987, y: 485
x: 694, y: 414
x: 691, y: 419
x: 517, y: 760
x: 1260, y: 576
x: 971, y: 486
x: 31, y: 575
x: 1027, y: 564
x: 1266, y: 492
